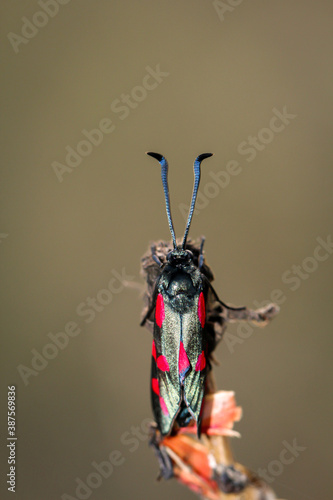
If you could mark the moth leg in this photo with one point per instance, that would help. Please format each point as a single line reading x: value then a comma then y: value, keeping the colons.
x: 229, y: 308
x: 261, y: 315
x: 148, y: 313
x: 154, y: 256
x: 150, y: 308
x: 201, y: 257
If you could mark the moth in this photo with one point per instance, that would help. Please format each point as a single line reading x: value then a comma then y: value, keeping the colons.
x: 187, y: 319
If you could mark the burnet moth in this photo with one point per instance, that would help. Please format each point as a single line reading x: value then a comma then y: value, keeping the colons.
x: 183, y: 335
x: 187, y: 320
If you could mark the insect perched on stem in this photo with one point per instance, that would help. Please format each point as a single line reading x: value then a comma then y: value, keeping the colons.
x: 187, y: 318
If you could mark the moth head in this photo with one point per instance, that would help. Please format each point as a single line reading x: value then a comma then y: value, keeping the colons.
x: 179, y: 256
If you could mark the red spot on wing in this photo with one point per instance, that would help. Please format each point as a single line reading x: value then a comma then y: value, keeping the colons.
x: 202, y: 309
x: 163, y: 406
x: 155, y: 386
x: 156, y: 389
x: 183, y: 362
x: 159, y: 310
x: 162, y: 363
x: 201, y: 363
x: 154, y: 350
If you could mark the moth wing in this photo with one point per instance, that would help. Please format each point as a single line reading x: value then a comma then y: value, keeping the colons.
x: 166, y: 390
x: 194, y: 341
x: 178, y: 361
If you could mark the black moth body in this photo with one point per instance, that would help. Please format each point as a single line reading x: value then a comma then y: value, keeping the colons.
x: 179, y: 345
x: 184, y: 340
x: 186, y: 317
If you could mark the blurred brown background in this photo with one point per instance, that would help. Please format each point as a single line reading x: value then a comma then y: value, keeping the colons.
x: 222, y: 72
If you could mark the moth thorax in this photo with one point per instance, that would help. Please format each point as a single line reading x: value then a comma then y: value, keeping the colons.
x: 181, y: 284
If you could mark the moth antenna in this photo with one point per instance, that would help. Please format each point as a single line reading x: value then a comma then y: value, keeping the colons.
x: 164, y: 174
x: 197, y: 172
